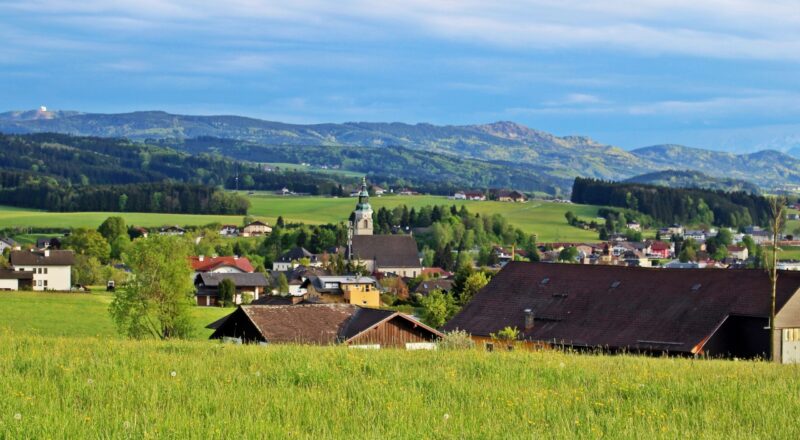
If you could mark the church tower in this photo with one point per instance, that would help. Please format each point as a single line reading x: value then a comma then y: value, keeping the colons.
x: 362, y: 216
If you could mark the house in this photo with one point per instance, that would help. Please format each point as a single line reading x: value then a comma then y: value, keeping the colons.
x: 739, y: 253
x: 459, y: 196
x: 378, y: 191
x: 229, y: 231
x: 172, y: 230
x: 718, y: 313
x: 351, y: 289
x: 427, y: 286
x: 407, y: 192
x: 291, y: 259
x: 386, y: 254
x: 7, y: 243
x: 255, y: 229
x: 677, y: 264
x: 207, y: 284
x: 634, y: 226
x: 51, y: 269
x: 325, y: 324
x: 510, y: 196
x: 231, y: 264
x: 661, y: 249
x: 436, y: 272
x: 16, y: 279
x: 43, y: 243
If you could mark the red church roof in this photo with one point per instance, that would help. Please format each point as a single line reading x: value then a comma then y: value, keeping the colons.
x: 207, y: 264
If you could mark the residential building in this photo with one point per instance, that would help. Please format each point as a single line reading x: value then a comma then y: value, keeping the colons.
x: 16, y: 279
x: 718, y: 313
x: 229, y: 231
x: 634, y: 226
x: 215, y: 264
x: 739, y: 253
x: 256, y: 229
x: 325, y: 324
x: 427, y: 286
x: 459, y: 196
x: 247, y: 284
x: 661, y: 249
x: 293, y: 258
x: 7, y: 243
x: 172, y: 230
x: 510, y: 196
x: 351, y: 289
x: 51, y: 269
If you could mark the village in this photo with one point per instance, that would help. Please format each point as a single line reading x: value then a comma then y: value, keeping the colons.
x: 375, y: 292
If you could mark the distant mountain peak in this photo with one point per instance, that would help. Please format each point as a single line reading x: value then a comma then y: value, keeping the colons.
x: 508, y: 130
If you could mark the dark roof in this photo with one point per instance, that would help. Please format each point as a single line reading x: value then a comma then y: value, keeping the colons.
x: 210, y: 279
x: 282, y: 300
x: 7, y: 274
x: 619, y: 307
x: 37, y: 258
x: 7, y: 240
x: 320, y: 324
x: 296, y: 254
x: 426, y: 287
x: 256, y: 223
x: 387, y: 250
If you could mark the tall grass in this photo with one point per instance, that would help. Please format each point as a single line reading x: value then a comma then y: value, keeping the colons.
x: 98, y: 388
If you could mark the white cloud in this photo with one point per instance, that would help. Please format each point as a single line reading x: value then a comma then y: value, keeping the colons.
x: 737, y: 29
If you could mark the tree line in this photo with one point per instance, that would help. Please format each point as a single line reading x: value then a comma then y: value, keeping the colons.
x: 675, y: 205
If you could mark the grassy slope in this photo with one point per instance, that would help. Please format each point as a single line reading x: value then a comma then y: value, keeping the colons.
x: 75, y: 315
x: 96, y: 388
x: 543, y: 218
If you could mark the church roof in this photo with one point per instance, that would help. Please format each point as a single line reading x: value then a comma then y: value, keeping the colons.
x: 387, y: 250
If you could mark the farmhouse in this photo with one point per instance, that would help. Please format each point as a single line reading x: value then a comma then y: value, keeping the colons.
x: 705, y: 312
x: 510, y: 196
x: 231, y: 264
x: 255, y: 229
x: 291, y: 259
x: 247, y: 284
x: 51, y: 269
x: 352, y: 289
x: 229, y: 231
x: 325, y: 324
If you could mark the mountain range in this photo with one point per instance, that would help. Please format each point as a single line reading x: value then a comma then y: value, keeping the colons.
x: 556, y: 159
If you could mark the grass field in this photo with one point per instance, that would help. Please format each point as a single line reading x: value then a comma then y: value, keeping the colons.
x: 546, y: 219
x: 298, y: 167
x: 76, y: 315
x: 100, y: 388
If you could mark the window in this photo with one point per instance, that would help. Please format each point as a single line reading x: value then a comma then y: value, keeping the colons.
x: 45, y: 283
x: 45, y: 271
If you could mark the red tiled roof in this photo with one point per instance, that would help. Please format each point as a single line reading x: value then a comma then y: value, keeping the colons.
x: 660, y: 246
x: 210, y: 263
x: 619, y: 307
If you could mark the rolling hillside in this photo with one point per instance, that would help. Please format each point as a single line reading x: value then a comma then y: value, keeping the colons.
x: 693, y: 179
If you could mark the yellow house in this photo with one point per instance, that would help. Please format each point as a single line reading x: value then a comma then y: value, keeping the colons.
x: 362, y: 294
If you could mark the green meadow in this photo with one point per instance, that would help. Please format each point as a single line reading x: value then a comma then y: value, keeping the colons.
x: 546, y: 219
x: 99, y: 387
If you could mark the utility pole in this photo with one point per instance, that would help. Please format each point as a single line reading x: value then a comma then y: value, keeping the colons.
x: 776, y: 211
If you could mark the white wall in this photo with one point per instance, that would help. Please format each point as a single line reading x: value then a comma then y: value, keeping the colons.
x: 57, y: 277
x: 9, y: 284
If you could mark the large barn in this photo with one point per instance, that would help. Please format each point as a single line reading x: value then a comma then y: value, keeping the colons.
x: 324, y: 324
x: 721, y: 313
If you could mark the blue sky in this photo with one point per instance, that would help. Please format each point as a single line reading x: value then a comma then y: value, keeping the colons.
x: 722, y: 74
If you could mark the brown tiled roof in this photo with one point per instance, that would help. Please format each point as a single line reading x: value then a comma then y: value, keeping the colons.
x: 37, y: 258
x: 426, y: 287
x: 387, y: 250
x: 619, y: 307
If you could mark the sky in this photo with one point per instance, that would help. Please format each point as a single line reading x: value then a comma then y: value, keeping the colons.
x: 719, y: 74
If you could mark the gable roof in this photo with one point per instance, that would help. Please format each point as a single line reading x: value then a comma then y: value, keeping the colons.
x: 256, y: 223
x: 7, y: 240
x: 426, y: 287
x: 387, y: 250
x: 38, y: 258
x: 320, y: 324
x: 296, y: 253
x: 239, y: 279
x: 209, y: 264
x: 619, y: 307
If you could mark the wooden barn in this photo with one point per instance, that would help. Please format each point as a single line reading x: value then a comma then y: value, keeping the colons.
x: 719, y: 313
x: 325, y: 324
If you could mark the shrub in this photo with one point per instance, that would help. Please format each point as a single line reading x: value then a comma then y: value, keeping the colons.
x: 456, y: 340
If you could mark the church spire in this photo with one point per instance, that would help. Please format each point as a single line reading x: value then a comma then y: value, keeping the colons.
x: 362, y: 216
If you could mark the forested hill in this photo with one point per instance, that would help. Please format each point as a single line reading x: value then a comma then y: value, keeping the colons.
x: 554, y: 159
x: 693, y: 179
x: 676, y: 205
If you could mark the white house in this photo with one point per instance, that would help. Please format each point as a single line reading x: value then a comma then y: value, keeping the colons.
x: 50, y: 269
x: 7, y: 243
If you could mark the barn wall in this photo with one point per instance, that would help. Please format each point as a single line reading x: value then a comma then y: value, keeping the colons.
x: 741, y: 337
x: 238, y: 326
x: 393, y: 333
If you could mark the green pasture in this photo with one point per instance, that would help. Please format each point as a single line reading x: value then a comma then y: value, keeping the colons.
x: 546, y: 219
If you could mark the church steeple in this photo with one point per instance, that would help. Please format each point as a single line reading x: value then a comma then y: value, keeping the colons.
x: 362, y: 216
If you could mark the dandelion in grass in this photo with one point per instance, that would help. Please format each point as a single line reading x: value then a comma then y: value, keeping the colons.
x: 562, y: 365
x: 90, y: 381
x: 126, y: 425
x: 446, y: 416
x: 173, y: 374
x: 17, y: 416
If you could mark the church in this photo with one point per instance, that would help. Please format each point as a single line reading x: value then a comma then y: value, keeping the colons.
x: 385, y: 254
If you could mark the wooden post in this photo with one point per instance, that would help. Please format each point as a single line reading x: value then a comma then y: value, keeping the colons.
x: 777, y: 205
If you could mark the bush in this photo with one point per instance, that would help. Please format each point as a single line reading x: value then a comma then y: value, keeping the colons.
x: 456, y: 340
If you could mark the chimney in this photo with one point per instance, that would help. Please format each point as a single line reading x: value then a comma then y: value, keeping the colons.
x: 528, y: 319
x: 201, y: 258
x: 47, y: 253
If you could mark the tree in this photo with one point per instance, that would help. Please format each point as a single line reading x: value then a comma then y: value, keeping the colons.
x: 688, y: 251
x: 158, y: 300
x: 226, y: 293
x: 88, y: 242
x: 568, y: 254
x: 472, y: 285
x: 123, y: 202
x: 283, y: 284
x: 438, y: 307
x: 87, y: 270
x: 112, y: 228
x: 279, y: 223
